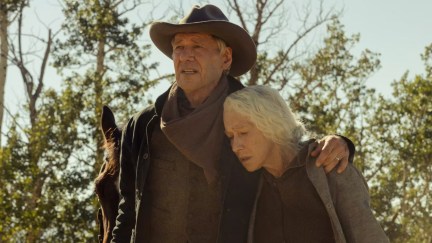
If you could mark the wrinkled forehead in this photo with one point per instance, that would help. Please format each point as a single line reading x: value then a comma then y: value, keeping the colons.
x: 234, y: 121
x: 193, y: 36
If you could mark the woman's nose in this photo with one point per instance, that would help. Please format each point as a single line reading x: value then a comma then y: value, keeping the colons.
x: 236, y: 145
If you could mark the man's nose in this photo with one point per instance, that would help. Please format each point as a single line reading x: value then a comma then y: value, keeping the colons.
x: 187, y: 54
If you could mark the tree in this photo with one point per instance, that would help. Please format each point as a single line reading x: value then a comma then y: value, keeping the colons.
x: 40, y: 177
x: 330, y: 91
x: 268, y: 20
x: 9, y: 9
x: 33, y: 85
x: 45, y: 187
x: 106, y: 48
x: 50, y: 159
x: 401, y: 126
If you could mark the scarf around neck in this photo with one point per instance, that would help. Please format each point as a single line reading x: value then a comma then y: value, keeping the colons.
x: 199, y: 134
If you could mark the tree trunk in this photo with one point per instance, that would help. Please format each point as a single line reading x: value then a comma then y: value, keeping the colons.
x: 100, y: 70
x: 4, y: 50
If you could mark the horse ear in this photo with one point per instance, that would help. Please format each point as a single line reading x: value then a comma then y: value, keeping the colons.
x: 108, y: 122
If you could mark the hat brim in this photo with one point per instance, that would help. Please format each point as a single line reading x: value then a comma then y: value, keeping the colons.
x: 244, y: 50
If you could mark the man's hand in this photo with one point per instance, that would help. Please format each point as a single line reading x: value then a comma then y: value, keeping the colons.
x: 331, y: 151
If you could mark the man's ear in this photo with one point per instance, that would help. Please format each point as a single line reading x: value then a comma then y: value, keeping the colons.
x: 227, y: 58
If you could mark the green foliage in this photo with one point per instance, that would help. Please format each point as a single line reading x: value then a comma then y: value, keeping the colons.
x: 48, y: 166
x: 332, y: 98
x: 402, y: 190
x: 102, y: 56
x: 54, y: 161
x: 12, y: 6
x: 45, y: 185
x: 108, y: 50
x: 329, y: 91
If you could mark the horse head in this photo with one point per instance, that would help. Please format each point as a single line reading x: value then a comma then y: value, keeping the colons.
x: 107, y: 182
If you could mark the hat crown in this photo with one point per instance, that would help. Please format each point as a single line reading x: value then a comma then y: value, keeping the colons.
x: 209, y: 19
x: 205, y: 13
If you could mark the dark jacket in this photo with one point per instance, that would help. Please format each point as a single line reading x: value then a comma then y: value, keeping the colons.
x: 238, y: 186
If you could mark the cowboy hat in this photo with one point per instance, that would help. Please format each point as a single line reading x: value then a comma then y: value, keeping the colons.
x: 209, y: 19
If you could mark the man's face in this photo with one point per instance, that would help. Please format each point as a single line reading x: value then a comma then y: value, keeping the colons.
x: 198, y: 63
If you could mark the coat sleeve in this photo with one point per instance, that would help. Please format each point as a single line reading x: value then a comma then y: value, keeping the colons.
x: 352, y: 203
x: 125, y: 220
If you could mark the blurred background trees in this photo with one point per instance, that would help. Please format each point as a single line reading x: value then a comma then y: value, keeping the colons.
x: 401, y: 189
x: 53, y: 146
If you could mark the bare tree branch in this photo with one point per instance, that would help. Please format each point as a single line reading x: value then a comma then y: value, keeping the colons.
x: 13, y: 116
x: 235, y: 6
x: 127, y: 9
x: 300, y: 37
x: 43, y: 66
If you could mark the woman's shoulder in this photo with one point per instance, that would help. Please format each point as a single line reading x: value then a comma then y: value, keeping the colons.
x: 348, y: 178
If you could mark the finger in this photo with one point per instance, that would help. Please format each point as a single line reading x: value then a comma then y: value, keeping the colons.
x: 343, y: 165
x: 324, y: 157
x: 330, y: 166
x: 344, y: 156
x: 334, y: 158
x: 336, y: 149
x: 317, y: 149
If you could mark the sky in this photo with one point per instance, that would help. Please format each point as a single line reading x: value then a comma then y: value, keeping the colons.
x: 397, y: 29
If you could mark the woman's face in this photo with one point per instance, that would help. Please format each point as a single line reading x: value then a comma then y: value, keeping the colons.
x: 249, y: 144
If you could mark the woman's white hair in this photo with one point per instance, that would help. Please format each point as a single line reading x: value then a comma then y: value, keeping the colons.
x: 266, y: 108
